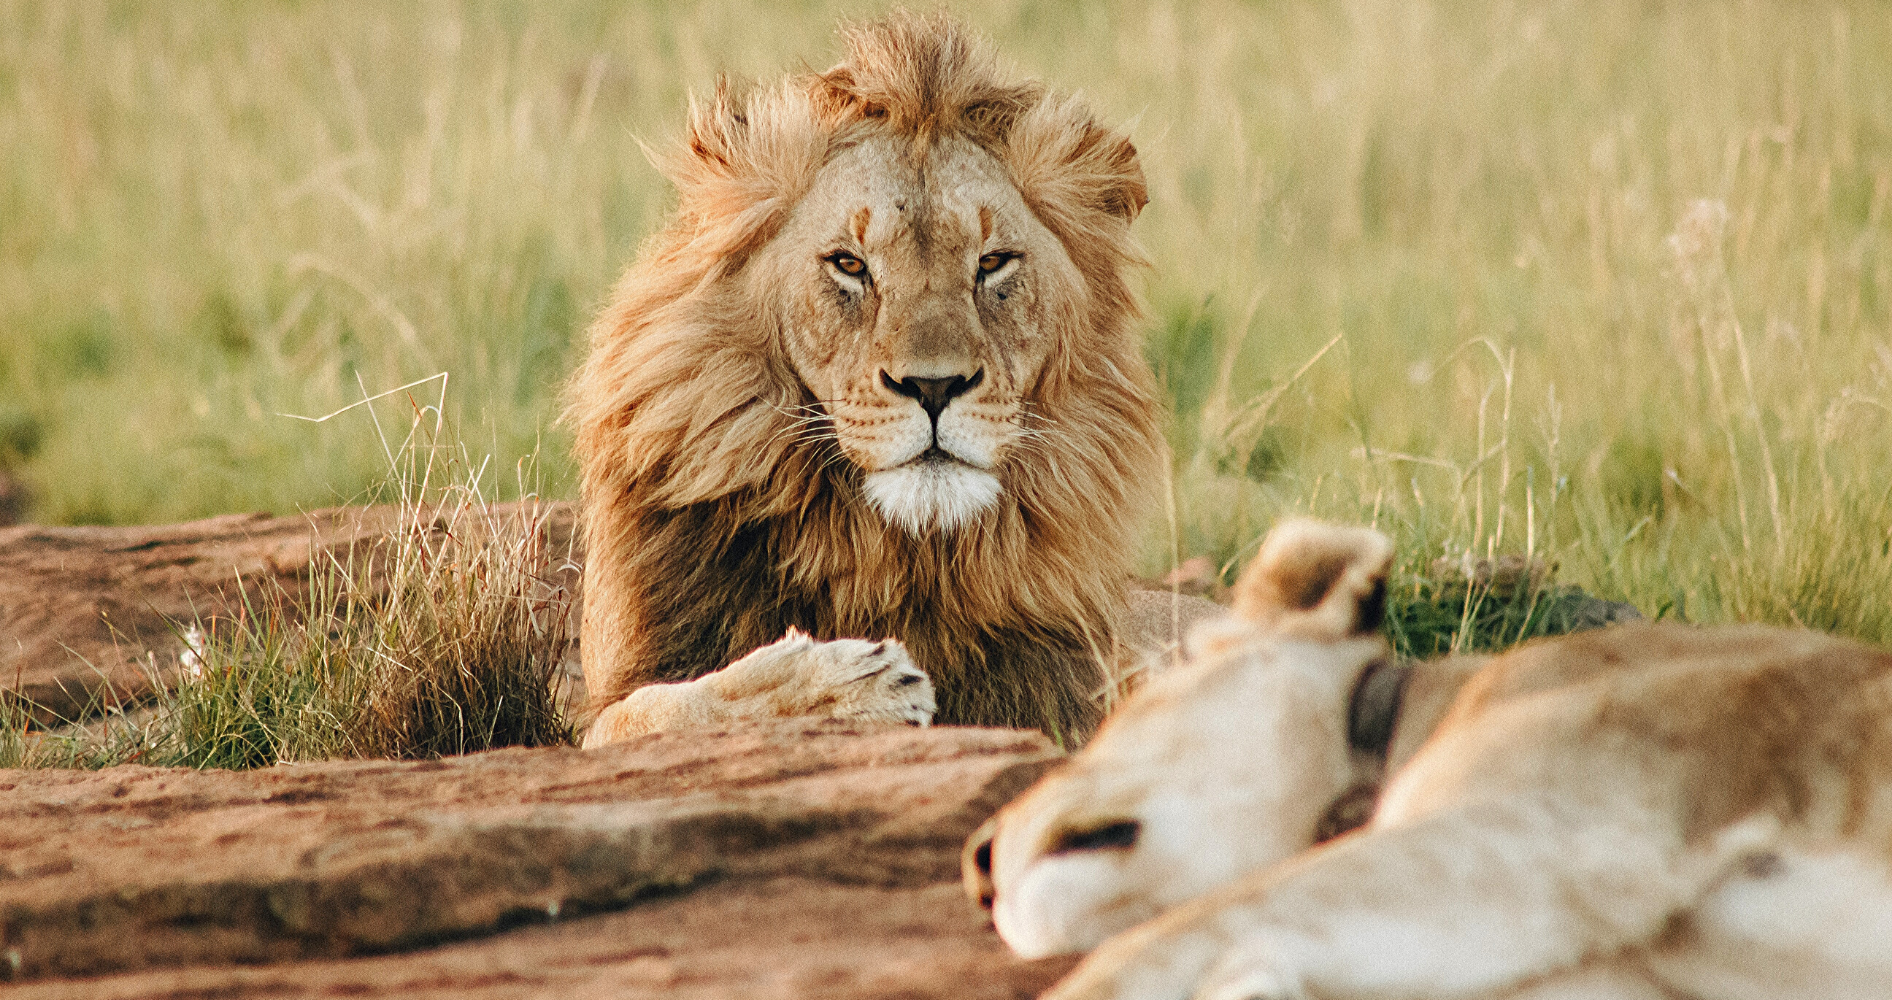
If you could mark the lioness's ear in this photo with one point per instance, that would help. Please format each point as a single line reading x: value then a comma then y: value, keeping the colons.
x: 1313, y: 580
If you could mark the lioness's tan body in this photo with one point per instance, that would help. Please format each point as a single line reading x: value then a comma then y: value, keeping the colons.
x: 1649, y: 811
x: 1706, y: 812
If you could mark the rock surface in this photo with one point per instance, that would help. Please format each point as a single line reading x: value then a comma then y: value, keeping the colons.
x: 787, y: 859
x: 797, y: 859
x: 783, y: 859
x: 87, y: 613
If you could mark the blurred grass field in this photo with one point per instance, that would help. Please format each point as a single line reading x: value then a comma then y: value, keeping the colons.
x: 1605, y: 283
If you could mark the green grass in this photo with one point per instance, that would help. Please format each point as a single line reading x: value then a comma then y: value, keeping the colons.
x: 443, y: 635
x: 445, y: 639
x: 214, y: 214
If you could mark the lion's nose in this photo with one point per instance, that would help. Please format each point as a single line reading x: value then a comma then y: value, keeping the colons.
x: 933, y: 393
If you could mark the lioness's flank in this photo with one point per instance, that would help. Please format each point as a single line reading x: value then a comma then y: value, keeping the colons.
x: 878, y: 378
x: 1645, y: 812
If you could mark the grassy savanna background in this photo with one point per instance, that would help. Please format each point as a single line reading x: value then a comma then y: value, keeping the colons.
x: 1606, y: 283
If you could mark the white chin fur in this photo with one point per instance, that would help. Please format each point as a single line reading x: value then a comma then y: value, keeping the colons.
x: 931, y: 496
x: 1069, y: 903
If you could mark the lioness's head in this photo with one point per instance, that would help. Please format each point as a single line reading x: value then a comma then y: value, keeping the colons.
x: 1220, y: 767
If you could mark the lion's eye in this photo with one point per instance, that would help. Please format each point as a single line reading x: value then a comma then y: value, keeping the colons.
x: 991, y: 262
x: 848, y: 264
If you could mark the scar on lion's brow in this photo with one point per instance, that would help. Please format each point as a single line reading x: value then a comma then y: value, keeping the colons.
x: 861, y: 218
x: 985, y: 224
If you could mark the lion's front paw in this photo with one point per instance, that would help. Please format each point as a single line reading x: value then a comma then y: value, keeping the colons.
x: 877, y: 681
x: 840, y: 678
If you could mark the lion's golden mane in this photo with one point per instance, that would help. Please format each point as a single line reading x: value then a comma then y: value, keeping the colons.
x: 713, y: 526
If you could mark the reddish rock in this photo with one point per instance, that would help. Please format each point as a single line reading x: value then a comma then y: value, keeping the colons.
x: 784, y: 859
x: 797, y: 859
x: 779, y: 938
x: 86, y: 613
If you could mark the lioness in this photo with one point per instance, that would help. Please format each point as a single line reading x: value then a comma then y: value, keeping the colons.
x: 1652, y: 811
x: 878, y: 378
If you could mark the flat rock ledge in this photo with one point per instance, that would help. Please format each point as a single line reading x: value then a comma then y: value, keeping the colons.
x: 786, y: 859
x: 89, y: 616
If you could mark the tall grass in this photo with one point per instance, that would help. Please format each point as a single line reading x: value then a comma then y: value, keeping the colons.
x: 445, y: 634
x: 1606, y: 284
x: 447, y: 638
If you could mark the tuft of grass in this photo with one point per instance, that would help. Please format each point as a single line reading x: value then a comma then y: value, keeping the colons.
x: 446, y: 634
x: 1484, y: 605
x: 446, y: 637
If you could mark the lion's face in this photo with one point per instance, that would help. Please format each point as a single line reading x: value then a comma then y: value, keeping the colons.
x: 912, y: 293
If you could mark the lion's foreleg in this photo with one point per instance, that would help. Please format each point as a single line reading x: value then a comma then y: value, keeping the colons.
x: 1469, y: 902
x: 794, y: 676
x: 655, y: 708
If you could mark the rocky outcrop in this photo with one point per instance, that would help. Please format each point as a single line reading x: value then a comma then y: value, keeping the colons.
x: 797, y: 859
x: 89, y: 615
x: 784, y: 859
x: 789, y: 859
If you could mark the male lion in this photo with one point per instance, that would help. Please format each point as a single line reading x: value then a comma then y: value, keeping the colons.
x: 878, y: 377
x: 1652, y: 811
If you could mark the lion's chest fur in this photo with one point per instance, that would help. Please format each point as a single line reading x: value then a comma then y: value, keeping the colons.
x: 998, y: 654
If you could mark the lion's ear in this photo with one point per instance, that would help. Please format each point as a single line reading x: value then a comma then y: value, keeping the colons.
x: 1063, y: 160
x: 746, y: 156
x: 717, y: 129
x: 1122, y: 191
x: 1318, y: 581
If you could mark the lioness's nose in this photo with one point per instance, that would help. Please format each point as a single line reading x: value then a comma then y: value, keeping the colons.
x: 933, y: 393
x: 975, y: 864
